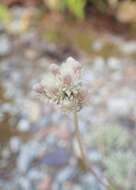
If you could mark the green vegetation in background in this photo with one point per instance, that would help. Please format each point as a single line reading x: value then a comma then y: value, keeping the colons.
x: 116, y: 146
x: 123, y: 11
x: 4, y: 14
x: 76, y: 7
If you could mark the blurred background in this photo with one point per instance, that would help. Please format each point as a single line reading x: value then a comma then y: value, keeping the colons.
x: 35, y: 138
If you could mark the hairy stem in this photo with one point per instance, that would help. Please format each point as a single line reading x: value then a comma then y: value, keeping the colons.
x: 78, y: 137
x: 83, y: 157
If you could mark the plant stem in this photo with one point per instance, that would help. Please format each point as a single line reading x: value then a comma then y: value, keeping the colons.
x: 78, y: 137
x: 83, y: 157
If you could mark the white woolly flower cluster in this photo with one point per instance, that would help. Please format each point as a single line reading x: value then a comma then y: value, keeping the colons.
x: 63, y: 85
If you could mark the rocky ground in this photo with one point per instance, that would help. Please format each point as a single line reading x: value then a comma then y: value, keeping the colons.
x: 36, y: 138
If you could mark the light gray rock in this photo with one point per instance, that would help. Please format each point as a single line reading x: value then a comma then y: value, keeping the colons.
x: 88, y: 76
x: 114, y: 63
x: 120, y: 106
x: 5, y: 45
x: 99, y: 65
x: 23, y: 125
x: 97, y: 45
x: 66, y: 174
x: 35, y: 174
x: 128, y: 47
x: 15, y: 144
x: 93, y: 155
x: 51, y: 140
x: 27, y: 154
x: 89, y: 182
x: 24, y: 184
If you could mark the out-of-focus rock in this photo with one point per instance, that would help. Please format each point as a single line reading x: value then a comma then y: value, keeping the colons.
x: 88, y: 76
x: 58, y: 157
x: 120, y: 106
x: 62, y: 132
x: 5, y: 45
x: 129, y: 47
x: 69, y: 185
x: 27, y: 154
x: 35, y: 174
x: 94, y: 155
x: 6, y: 153
x: 99, y: 65
x: 88, y: 182
x: 32, y: 109
x: 24, y: 184
x: 127, y: 12
x: 66, y: 174
x: 114, y: 63
x: 45, y: 183
x: 20, y: 20
x: 15, y: 144
x: 23, y: 125
x: 97, y: 45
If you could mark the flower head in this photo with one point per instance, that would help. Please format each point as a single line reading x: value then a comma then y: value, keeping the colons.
x: 63, y: 85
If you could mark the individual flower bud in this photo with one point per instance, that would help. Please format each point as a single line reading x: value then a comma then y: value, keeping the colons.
x: 71, y: 60
x: 83, y: 95
x: 54, y: 69
x: 77, y: 69
x: 74, y: 64
x: 49, y: 81
x: 38, y: 88
x: 53, y: 91
x: 67, y: 80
